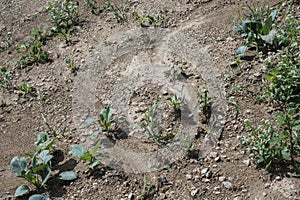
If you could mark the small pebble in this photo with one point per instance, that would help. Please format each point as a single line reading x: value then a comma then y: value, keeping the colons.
x: 247, y: 162
x: 204, y: 171
x: 194, y: 192
x: 227, y: 184
x: 189, y: 176
x: 222, y: 178
x: 130, y: 196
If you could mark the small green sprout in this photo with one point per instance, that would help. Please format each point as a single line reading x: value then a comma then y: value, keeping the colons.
x: 85, y: 155
x: 147, y: 189
x: 105, y: 118
x: 26, y: 88
x: 205, y: 103
x: 37, y: 170
x: 175, y: 100
x: 71, y: 65
x: 5, y: 77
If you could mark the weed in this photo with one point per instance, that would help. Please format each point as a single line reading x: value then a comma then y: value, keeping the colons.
x: 92, y: 4
x: 85, y: 155
x: 236, y: 106
x: 151, y: 126
x: 119, y: 11
x: 147, y: 189
x: 65, y: 35
x: 53, y: 131
x: 205, y: 102
x: 105, y: 118
x: 275, y: 143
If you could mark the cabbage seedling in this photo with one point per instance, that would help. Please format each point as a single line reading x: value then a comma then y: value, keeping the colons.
x: 105, y: 118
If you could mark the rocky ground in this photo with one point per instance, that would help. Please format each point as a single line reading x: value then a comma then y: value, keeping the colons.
x: 119, y: 63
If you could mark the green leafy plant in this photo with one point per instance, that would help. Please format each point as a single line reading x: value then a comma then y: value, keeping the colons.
x: 119, y: 11
x: 64, y: 15
x: 37, y: 170
x: 147, y: 189
x: 257, y: 30
x: 71, y: 65
x: 105, y: 118
x: 35, y: 54
x: 5, y: 77
x: 148, y: 20
x: 275, y: 143
x: 151, y: 126
x: 205, y: 102
x: 283, y: 77
x: 89, y: 156
x: 278, y: 143
x: 175, y: 100
x: 26, y: 88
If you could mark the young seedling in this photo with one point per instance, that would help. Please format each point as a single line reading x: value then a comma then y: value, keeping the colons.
x: 149, y: 20
x: 5, y: 77
x: 26, y: 88
x: 71, y: 65
x: 88, y: 156
x: 35, y: 53
x: 65, y: 35
x: 205, y: 103
x: 175, y: 100
x: 64, y: 15
x: 37, y: 171
x: 105, y: 118
x: 147, y: 189
x: 150, y: 125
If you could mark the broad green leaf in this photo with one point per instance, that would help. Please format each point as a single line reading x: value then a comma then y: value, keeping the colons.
x: 68, y: 176
x: 21, y: 190
x: 273, y: 14
x: 94, y: 164
x: 18, y: 165
x: 297, y: 169
x: 95, y: 134
x: 241, y: 51
x: 285, y: 155
x: 45, y: 157
x: 77, y: 150
x: 265, y: 29
x: 95, y: 149
x: 39, y: 197
x: 41, y: 138
x: 269, y: 38
x: 87, y: 156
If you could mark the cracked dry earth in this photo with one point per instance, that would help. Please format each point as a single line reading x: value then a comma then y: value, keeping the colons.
x: 113, y: 60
